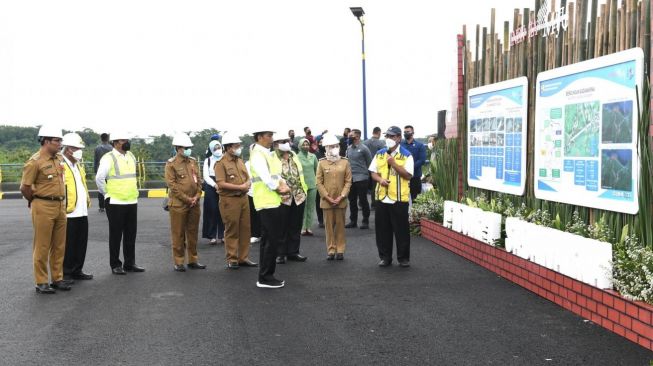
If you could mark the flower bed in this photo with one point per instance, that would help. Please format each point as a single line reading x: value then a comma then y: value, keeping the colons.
x: 629, y: 319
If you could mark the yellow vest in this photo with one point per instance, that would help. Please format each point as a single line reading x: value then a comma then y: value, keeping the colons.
x: 71, y: 187
x: 399, y: 188
x: 264, y: 197
x: 121, y: 180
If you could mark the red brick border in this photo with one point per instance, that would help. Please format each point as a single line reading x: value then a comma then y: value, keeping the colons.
x: 629, y: 319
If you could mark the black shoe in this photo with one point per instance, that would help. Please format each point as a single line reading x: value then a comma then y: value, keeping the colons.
x: 101, y: 210
x: 233, y: 265
x: 196, y: 265
x: 82, y: 276
x: 273, y: 283
x: 351, y: 225
x: 384, y: 263
x: 67, y: 281
x: 331, y: 257
x: 404, y: 264
x: 44, y: 288
x: 320, y: 225
x: 61, y: 285
x: 248, y: 263
x: 281, y: 260
x: 134, y: 268
x: 340, y: 256
x: 297, y: 258
x: 180, y: 268
x: 365, y: 226
x: 118, y: 271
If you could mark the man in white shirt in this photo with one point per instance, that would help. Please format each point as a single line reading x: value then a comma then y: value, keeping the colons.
x: 392, y: 168
x: 77, y: 204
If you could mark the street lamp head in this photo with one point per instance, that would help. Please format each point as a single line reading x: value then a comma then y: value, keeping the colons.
x: 357, y: 11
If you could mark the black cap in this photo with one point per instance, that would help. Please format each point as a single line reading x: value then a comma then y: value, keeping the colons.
x: 394, y: 131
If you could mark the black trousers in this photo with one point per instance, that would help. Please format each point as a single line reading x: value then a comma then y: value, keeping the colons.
x: 212, y: 225
x: 358, y: 193
x: 76, y: 243
x: 294, y: 215
x: 254, y: 219
x: 320, y: 214
x: 415, y: 187
x: 122, y: 227
x: 272, y: 223
x: 392, y: 220
x: 371, y: 189
x: 100, y: 198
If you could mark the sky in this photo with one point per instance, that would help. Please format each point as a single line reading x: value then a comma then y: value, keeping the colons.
x: 152, y: 67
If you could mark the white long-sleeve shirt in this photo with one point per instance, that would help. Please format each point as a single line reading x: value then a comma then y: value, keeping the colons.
x: 81, y: 207
x: 103, y: 171
x: 208, y: 170
x: 261, y: 167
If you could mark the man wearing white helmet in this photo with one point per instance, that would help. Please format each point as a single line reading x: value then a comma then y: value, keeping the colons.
x: 44, y: 188
x: 77, y: 204
x: 268, y: 187
x: 116, y: 180
x: 184, y: 193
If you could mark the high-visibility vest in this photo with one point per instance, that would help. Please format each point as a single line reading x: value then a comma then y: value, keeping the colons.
x: 121, y: 180
x: 71, y: 187
x: 399, y: 188
x: 264, y: 197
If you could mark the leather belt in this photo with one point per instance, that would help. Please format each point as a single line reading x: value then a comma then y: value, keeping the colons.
x: 51, y: 198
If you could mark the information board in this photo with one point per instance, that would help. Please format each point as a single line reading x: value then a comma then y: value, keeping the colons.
x: 586, y: 132
x: 496, y: 136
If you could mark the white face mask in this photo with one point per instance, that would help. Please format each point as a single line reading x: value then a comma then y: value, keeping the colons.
x: 217, y: 153
x: 284, y: 147
x: 430, y: 145
x: 334, y: 151
x: 238, y: 151
x: 77, y: 155
x: 390, y: 143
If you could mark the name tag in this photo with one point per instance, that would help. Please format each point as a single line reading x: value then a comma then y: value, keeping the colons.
x: 194, y: 178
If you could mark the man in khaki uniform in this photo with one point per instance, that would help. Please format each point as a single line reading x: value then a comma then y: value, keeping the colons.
x: 233, y: 184
x: 44, y: 188
x: 334, y: 180
x: 185, y: 190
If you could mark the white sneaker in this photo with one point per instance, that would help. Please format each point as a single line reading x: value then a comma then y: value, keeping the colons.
x: 254, y: 240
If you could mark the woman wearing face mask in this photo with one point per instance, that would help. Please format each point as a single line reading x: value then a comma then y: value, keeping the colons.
x: 334, y: 181
x: 292, y: 204
x: 309, y: 165
x: 212, y: 226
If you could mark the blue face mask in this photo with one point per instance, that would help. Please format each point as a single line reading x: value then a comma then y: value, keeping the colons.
x: 187, y: 152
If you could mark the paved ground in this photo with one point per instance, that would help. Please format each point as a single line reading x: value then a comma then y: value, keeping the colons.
x: 441, y: 311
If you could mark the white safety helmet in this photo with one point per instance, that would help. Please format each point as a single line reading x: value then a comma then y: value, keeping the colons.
x: 120, y: 135
x: 279, y: 137
x: 49, y: 131
x: 74, y: 140
x: 329, y: 139
x: 230, y: 138
x: 261, y: 131
x: 182, y: 139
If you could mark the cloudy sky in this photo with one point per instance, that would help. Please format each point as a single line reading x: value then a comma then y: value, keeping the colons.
x: 165, y: 66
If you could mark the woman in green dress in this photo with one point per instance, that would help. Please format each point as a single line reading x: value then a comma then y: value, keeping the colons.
x: 309, y: 165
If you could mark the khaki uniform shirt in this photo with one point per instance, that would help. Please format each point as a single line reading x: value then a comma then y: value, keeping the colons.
x: 46, y: 175
x: 230, y: 169
x: 333, y: 180
x: 183, y: 180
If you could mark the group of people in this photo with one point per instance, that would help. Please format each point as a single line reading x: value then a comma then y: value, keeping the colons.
x: 270, y: 199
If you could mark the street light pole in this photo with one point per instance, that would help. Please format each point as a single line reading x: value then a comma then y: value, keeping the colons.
x: 358, y: 13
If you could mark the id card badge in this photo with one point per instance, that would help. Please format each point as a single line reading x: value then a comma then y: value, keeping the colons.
x: 195, y: 178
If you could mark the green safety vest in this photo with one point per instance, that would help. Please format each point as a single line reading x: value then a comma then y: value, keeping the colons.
x: 264, y: 197
x: 121, y: 180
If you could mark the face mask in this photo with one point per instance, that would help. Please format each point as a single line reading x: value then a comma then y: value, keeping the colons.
x: 407, y: 135
x: 335, y: 151
x: 390, y: 143
x: 187, y: 152
x: 126, y: 146
x: 238, y: 151
x: 77, y: 155
x: 217, y: 153
x: 284, y: 147
x: 430, y: 144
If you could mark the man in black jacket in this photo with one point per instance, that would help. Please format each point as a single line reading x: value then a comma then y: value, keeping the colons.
x: 100, y: 150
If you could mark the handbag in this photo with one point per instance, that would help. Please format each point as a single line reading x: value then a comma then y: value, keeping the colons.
x: 164, y: 205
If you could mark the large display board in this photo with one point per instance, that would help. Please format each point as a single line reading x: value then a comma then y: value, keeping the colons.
x: 496, y: 136
x: 586, y: 132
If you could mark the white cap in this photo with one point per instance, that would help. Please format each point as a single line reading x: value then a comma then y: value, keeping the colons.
x: 74, y: 140
x: 230, y: 138
x: 49, y: 131
x: 181, y: 139
x: 119, y: 135
x: 329, y: 139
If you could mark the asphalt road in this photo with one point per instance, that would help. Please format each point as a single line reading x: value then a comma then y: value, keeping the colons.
x: 443, y: 310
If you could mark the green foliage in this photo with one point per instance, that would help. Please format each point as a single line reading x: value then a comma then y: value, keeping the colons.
x: 429, y: 205
x: 444, y: 159
x: 632, y: 271
x: 577, y: 225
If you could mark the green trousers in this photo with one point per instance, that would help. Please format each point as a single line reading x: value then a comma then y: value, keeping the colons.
x: 309, y: 208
